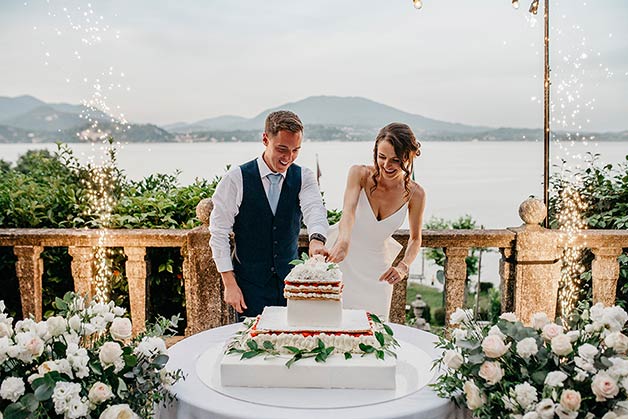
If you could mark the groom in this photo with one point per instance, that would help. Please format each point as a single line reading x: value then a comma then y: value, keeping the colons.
x: 262, y: 202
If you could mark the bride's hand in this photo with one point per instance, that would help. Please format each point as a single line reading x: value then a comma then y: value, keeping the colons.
x: 395, y: 274
x: 339, y: 252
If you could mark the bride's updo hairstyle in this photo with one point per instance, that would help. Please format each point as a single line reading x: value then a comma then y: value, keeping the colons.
x: 406, y: 149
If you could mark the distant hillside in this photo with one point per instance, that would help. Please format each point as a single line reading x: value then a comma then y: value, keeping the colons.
x: 333, y: 111
x: 327, y: 118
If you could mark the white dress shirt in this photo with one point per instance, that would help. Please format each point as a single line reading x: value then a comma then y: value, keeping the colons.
x: 228, y: 197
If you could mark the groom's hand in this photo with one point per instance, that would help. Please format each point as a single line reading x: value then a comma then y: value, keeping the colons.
x: 233, y: 293
x: 317, y: 247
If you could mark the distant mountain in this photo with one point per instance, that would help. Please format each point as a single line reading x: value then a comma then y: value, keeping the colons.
x: 333, y: 111
x: 14, y: 106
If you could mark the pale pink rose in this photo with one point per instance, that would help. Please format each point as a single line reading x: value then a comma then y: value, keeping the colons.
x: 509, y: 317
x: 570, y: 400
x: 121, y: 328
x: 475, y: 399
x: 453, y: 359
x: 618, y: 341
x: 99, y: 393
x: 492, y: 372
x: 111, y: 354
x: 494, y: 347
x: 118, y: 411
x: 561, y: 345
x: 604, y: 387
x: 551, y: 330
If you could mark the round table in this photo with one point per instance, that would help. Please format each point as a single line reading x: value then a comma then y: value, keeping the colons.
x: 196, y: 400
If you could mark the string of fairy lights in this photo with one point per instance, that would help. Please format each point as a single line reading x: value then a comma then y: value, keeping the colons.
x: 568, y: 112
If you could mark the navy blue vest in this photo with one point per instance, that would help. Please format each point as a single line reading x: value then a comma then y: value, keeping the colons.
x: 265, y: 243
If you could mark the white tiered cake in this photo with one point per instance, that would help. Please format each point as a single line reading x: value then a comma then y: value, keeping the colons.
x: 312, y: 342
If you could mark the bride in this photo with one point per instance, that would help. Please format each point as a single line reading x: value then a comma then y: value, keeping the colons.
x: 376, y: 201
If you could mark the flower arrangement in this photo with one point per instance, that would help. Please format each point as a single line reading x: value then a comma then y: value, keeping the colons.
x: 578, y: 369
x: 82, y: 363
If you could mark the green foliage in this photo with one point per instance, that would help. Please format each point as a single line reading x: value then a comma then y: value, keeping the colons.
x: 605, y: 190
x: 465, y: 222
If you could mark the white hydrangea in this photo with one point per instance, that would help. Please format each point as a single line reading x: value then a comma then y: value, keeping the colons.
x: 525, y: 394
x: 527, y: 347
x: 150, y: 346
x: 57, y: 325
x: 63, y: 394
x: 78, y: 359
x: 12, y: 388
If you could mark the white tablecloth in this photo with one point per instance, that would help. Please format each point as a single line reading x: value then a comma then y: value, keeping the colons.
x: 196, y: 400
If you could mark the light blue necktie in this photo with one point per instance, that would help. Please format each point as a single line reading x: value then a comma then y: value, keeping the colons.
x: 273, y: 191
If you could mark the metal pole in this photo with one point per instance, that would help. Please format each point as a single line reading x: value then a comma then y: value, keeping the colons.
x: 546, y: 125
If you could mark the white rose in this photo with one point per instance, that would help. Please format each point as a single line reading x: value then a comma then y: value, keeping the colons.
x: 57, y: 325
x: 494, y: 347
x: 561, y: 345
x: 525, y: 394
x: 555, y: 379
x: 604, y: 387
x: 510, y: 317
x: 75, y: 323
x: 459, y: 334
x: 495, y: 331
x: 570, y: 400
x: 539, y: 320
x: 475, y: 400
x: 453, y: 359
x: 5, y: 330
x: 573, y: 335
x: 531, y: 415
x: 527, y: 347
x: 618, y: 341
x: 584, y: 364
x: 118, y: 411
x: 121, y: 328
x: 459, y: 316
x: 545, y: 409
x: 111, y: 354
x: 99, y: 393
x: 619, y: 368
x: 609, y: 415
x: 46, y: 367
x: 587, y: 351
x: 551, y: 330
x: 12, y: 388
x: 492, y: 372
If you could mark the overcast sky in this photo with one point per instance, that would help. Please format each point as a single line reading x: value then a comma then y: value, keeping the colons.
x: 471, y: 61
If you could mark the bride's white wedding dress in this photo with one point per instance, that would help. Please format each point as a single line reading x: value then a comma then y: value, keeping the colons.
x: 372, y: 250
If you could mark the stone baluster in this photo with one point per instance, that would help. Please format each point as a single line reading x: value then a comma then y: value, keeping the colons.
x: 536, y: 263
x: 204, y: 304
x: 136, y: 277
x: 82, y: 266
x: 507, y: 280
x: 605, y: 273
x: 29, y: 268
x: 455, y: 279
x: 398, y: 304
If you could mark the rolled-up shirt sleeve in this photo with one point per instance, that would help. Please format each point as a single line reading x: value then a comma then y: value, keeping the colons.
x: 227, y: 199
x: 311, y: 201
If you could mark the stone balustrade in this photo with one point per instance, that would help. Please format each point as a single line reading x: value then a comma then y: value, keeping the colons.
x: 529, y: 267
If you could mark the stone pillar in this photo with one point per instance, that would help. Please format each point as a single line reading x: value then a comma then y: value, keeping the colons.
x: 398, y: 304
x: 455, y: 279
x: 29, y: 268
x: 82, y: 266
x: 136, y: 277
x: 205, y: 306
x: 537, y: 263
x: 605, y: 273
x: 507, y: 280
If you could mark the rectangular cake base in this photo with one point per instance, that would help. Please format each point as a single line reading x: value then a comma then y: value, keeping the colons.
x: 336, y: 372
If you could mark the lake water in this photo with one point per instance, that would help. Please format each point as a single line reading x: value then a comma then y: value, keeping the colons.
x: 487, y: 180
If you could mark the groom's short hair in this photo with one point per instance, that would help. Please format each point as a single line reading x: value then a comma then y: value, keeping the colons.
x: 282, y: 121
